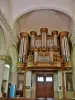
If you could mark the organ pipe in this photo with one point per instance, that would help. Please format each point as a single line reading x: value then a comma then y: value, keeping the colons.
x: 51, y: 55
x: 33, y: 36
x: 44, y: 32
x: 65, y: 50
x: 55, y: 35
x: 23, y: 46
x: 35, y: 56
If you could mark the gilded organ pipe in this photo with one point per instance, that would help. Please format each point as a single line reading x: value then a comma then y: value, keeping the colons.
x: 64, y: 43
x: 51, y: 55
x: 44, y: 32
x: 23, y: 46
x: 33, y: 36
x: 55, y: 36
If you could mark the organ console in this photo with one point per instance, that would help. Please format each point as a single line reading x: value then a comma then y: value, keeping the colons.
x: 44, y: 50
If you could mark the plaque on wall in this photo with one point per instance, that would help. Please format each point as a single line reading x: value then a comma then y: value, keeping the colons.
x: 43, y: 58
x: 27, y: 87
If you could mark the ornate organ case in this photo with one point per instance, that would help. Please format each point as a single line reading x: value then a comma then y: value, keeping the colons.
x: 44, y: 50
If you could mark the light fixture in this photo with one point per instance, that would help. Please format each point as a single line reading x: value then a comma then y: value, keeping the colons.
x: 6, y: 65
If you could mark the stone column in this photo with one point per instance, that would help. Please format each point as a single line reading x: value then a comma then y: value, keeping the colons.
x: 28, y: 84
x: 2, y: 62
x: 60, y: 84
x: 56, y: 85
x: 33, y: 87
x: 72, y: 40
x: 73, y: 67
x: 6, y: 77
x: 13, y: 77
x: 24, y: 88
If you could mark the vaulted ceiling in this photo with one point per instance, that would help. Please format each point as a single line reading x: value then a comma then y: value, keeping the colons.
x: 52, y: 19
x: 14, y: 9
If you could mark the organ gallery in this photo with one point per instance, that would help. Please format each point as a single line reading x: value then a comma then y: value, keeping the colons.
x: 41, y: 58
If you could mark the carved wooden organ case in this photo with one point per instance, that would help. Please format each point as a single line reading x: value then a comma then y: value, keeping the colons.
x: 44, y: 50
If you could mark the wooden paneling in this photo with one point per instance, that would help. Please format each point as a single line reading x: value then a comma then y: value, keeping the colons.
x: 40, y: 90
x: 49, y: 90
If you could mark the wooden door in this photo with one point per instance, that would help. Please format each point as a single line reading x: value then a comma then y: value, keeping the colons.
x: 40, y: 86
x: 44, y: 86
x: 49, y: 86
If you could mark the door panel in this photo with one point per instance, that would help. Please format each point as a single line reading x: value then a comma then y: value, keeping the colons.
x: 44, y: 86
x: 40, y: 90
x: 40, y: 84
x: 49, y: 90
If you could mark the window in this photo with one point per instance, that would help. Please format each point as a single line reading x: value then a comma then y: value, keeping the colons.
x: 44, y: 78
x: 40, y: 79
x: 48, y: 79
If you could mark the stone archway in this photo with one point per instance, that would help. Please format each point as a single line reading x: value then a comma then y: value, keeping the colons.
x: 2, y: 56
x: 42, y: 7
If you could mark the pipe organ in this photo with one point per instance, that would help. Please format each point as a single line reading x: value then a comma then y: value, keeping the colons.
x: 44, y: 50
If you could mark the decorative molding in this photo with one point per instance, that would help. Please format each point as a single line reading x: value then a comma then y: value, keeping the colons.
x: 3, y: 57
x: 6, y: 24
x: 13, y: 69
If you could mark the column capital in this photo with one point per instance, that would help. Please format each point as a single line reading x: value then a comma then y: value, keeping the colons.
x: 3, y: 57
x: 13, y: 69
x: 72, y: 37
